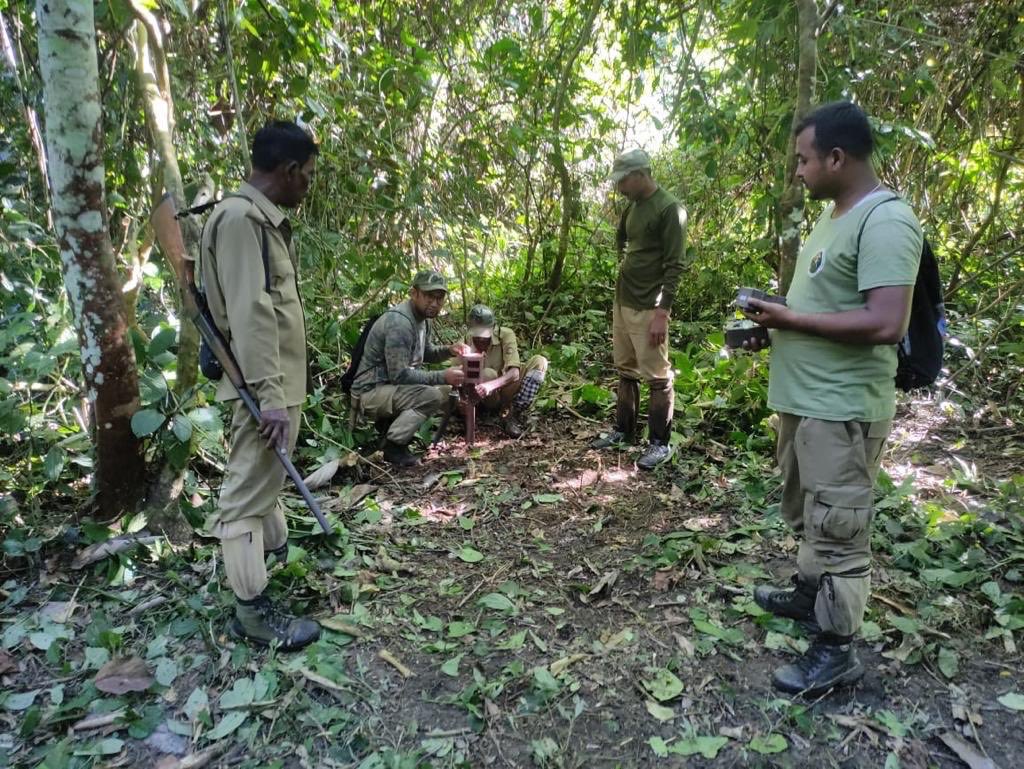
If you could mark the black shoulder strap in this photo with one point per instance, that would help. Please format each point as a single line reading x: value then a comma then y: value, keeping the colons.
x: 864, y: 223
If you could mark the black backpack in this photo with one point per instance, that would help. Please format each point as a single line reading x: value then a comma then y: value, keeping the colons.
x: 919, y: 353
x: 349, y: 376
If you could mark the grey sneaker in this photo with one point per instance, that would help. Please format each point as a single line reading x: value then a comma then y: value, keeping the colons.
x: 260, y: 622
x: 656, y: 454
x: 614, y: 438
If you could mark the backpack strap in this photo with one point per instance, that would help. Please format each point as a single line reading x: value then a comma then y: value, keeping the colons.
x: 864, y: 222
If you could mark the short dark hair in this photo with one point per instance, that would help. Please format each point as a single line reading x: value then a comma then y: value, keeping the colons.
x: 840, y: 124
x: 281, y: 141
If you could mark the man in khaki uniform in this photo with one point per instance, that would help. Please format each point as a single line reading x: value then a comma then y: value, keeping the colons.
x: 652, y: 242
x: 248, y: 267
x: 391, y: 384
x: 507, y: 387
x: 832, y: 382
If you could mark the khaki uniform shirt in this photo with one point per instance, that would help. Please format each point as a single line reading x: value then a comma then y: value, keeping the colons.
x: 257, y: 308
x: 503, y: 353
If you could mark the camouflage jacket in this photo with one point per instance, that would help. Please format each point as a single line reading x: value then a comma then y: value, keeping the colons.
x: 396, y: 348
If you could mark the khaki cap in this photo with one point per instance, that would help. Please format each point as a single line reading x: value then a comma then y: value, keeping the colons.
x: 627, y: 163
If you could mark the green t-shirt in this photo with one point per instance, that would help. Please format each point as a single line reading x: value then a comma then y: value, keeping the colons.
x: 816, y: 377
x: 652, y: 240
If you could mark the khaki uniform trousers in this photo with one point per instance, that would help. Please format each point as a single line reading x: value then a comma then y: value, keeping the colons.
x: 250, y: 518
x: 631, y: 349
x: 829, y: 470
x: 502, y: 399
x: 409, y: 405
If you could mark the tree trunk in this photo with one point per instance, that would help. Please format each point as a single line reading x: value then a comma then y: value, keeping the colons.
x: 154, y: 82
x: 569, y: 204
x: 74, y: 133
x: 791, y: 205
x: 239, y: 116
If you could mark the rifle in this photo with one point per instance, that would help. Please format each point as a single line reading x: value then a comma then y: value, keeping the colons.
x: 168, y: 235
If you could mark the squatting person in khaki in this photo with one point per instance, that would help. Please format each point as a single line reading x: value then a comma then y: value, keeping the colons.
x: 832, y: 382
x: 652, y: 242
x: 248, y: 266
x: 507, y: 387
x: 391, y: 384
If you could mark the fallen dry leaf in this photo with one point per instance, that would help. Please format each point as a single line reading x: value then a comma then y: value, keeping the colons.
x: 392, y: 660
x: 558, y: 666
x: 349, y: 498
x: 7, y: 662
x: 342, y: 626
x: 101, y: 550
x: 124, y: 675
x: 663, y: 579
x: 386, y: 563
x: 322, y: 476
x: 685, y: 645
x: 966, y: 752
x: 603, y: 588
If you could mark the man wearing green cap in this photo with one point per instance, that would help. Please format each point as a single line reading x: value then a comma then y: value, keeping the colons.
x: 651, y: 240
x: 391, y: 383
x: 507, y: 387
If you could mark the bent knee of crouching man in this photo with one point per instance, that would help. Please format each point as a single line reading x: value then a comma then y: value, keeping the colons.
x: 536, y: 365
x: 433, y: 399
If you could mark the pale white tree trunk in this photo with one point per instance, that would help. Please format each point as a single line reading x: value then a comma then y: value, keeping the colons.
x: 74, y: 134
x: 154, y: 82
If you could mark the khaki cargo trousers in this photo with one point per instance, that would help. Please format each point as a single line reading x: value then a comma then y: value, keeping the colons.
x: 632, y: 353
x: 250, y: 519
x: 829, y: 470
x: 409, y: 405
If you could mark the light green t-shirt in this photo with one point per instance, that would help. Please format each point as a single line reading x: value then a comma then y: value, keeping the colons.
x: 816, y: 377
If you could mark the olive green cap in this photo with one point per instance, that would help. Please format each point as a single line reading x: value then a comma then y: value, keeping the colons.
x: 481, y: 321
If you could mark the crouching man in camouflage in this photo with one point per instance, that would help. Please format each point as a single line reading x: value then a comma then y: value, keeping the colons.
x: 391, y: 383
x: 507, y: 388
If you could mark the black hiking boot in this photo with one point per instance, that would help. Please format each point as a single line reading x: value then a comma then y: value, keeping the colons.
x: 831, y: 661
x: 279, y: 553
x: 797, y: 603
x: 260, y: 622
x: 656, y: 453
x: 512, y: 424
x: 399, y: 455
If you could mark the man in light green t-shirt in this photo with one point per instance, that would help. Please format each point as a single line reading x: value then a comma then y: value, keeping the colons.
x: 832, y: 382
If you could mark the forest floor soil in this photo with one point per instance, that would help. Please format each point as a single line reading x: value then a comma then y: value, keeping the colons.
x: 521, y: 603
